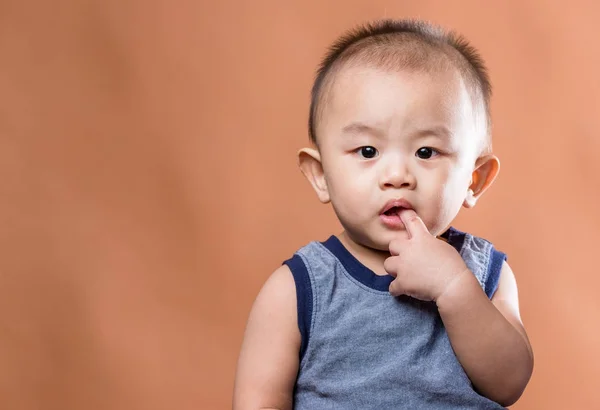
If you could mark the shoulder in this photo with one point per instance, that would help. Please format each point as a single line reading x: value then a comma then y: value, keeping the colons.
x: 273, y: 314
x: 279, y: 289
x: 507, y: 285
x: 268, y: 361
x: 506, y: 300
x: 480, y: 255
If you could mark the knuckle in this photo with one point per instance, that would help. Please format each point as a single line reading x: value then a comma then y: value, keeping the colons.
x: 413, y: 217
x: 391, y: 265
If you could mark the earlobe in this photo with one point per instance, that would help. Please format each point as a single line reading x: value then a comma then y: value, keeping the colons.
x: 309, y: 160
x: 470, y: 199
x: 486, y: 171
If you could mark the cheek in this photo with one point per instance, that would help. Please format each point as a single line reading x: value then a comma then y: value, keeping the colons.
x: 346, y: 178
x: 454, y: 193
x: 352, y: 193
x: 349, y: 192
x: 446, y: 195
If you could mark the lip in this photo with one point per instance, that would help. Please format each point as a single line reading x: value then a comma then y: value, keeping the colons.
x: 399, y: 203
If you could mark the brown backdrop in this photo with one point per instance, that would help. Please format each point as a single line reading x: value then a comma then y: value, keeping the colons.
x: 148, y: 186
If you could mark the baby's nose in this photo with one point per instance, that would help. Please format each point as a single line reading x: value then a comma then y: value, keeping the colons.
x: 398, y: 177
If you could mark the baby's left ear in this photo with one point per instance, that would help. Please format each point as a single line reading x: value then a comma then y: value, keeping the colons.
x: 486, y: 171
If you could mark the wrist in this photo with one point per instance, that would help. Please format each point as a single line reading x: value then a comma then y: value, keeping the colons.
x: 457, y: 290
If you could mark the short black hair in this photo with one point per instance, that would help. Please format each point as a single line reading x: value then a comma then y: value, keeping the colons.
x: 419, y: 43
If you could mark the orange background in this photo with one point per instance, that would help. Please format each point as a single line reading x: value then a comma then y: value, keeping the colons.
x: 148, y: 186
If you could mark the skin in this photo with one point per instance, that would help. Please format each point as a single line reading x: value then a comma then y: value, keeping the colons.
x: 387, y: 135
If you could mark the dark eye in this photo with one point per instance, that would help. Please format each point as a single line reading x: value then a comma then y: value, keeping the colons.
x: 425, y: 152
x: 367, y: 152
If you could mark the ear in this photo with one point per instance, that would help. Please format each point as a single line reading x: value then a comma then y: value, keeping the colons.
x: 486, y: 171
x: 309, y: 160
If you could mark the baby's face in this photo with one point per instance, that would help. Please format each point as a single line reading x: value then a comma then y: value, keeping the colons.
x: 397, y: 135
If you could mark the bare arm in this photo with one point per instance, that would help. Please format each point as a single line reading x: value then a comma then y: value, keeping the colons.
x: 268, y: 361
x: 488, y: 337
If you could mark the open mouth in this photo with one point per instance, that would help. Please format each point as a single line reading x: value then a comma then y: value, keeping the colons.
x: 394, y: 211
x: 390, y: 214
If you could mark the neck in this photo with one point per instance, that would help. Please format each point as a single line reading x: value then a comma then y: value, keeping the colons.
x: 371, y: 258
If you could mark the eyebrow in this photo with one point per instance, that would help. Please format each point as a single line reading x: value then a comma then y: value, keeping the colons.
x: 362, y: 128
x: 437, y: 131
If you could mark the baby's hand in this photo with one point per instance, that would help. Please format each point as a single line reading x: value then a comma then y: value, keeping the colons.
x: 422, y: 265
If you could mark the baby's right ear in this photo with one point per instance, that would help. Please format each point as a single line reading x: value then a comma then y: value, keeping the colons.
x: 309, y: 160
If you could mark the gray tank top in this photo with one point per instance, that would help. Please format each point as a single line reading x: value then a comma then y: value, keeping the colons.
x: 365, y: 349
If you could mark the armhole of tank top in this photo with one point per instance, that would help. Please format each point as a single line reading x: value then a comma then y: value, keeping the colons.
x: 304, y: 299
x: 497, y: 259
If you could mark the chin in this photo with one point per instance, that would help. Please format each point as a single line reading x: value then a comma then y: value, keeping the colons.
x: 380, y: 241
x: 391, y: 235
x: 380, y: 246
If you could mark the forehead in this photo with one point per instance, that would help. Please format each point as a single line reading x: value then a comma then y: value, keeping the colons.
x: 397, y: 101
